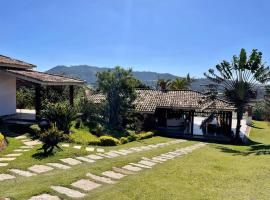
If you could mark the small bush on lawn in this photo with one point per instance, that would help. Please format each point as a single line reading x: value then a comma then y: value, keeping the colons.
x: 51, y: 138
x: 35, y: 129
x: 123, y: 140
x: 145, y: 135
x: 61, y: 114
x: 95, y: 142
x: 108, y: 141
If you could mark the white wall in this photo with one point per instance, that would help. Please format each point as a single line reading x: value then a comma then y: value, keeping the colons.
x: 7, y: 95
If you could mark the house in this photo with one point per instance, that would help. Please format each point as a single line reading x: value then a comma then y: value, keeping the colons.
x: 14, y: 72
x: 184, y: 112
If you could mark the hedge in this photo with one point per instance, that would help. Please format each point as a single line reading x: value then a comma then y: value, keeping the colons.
x: 108, y: 141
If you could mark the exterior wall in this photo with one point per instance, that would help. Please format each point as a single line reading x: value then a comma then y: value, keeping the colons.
x: 7, y: 95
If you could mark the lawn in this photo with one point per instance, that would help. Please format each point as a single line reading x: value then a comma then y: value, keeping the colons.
x: 214, y: 172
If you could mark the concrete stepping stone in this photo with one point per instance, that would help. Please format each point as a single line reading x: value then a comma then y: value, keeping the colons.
x: 123, y: 171
x: 58, y: 165
x: 26, y: 147
x: 7, y: 159
x: 113, y: 155
x: 68, y: 192
x: 21, y: 137
x: 3, y: 164
x: 126, y: 151
x: 65, y: 145
x: 85, y: 159
x: 44, y: 197
x: 94, y: 157
x: 40, y: 168
x: 159, y: 159
x: 151, y: 160
x: 99, y: 150
x: 112, y: 174
x: 13, y: 154
x: 100, y: 178
x: 21, y: 150
x: 119, y: 153
x: 77, y: 147
x: 22, y: 172
x: 32, y: 143
x: 148, y: 163
x: 90, y: 149
x: 85, y: 185
x: 104, y: 155
x: 4, y: 177
x: 71, y: 161
x: 141, y: 165
x: 132, y: 168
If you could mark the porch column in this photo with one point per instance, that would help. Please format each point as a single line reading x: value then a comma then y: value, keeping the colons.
x: 71, y: 95
x: 38, y: 101
x: 192, y: 122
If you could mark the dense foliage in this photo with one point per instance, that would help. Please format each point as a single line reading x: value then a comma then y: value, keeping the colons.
x: 239, y: 79
x: 118, y: 86
x: 61, y: 114
x: 25, y: 98
x: 267, y: 103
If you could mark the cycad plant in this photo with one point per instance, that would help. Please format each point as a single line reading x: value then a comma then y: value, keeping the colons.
x: 239, y: 79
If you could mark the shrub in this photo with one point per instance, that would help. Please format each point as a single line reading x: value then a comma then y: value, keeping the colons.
x: 95, y: 142
x: 132, y: 136
x: 123, y: 140
x: 61, y: 114
x: 78, y: 123
x: 98, y: 130
x: 35, y: 129
x: 1, y: 138
x: 145, y: 135
x: 108, y: 141
x: 51, y: 138
x: 259, y: 111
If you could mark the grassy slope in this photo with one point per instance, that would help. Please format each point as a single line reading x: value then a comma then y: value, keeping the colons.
x: 214, y: 172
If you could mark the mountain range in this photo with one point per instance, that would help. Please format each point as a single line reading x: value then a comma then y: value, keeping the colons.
x: 88, y: 73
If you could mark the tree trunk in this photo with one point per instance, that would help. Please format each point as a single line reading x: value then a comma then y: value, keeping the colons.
x: 240, y: 113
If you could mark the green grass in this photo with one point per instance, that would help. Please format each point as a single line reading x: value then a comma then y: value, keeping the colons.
x: 215, y: 172
x: 82, y: 135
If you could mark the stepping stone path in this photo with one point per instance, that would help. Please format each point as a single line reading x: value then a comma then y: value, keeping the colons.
x: 100, y: 178
x: 59, y: 166
x: 3, y: 164
x: 94, y: 157
x: 6, y: 159
x: 71, y: 161
x: 40, y: 169
x: 22, y: 172
x: 99, y: 150
x: 117, y: 173
x: 45, y: 197
x: 114, y: 175
x: 77, y: 147
x: 85, y: 185
x: 90, y: 149
x: 4, y: 177
x: 68, y: 192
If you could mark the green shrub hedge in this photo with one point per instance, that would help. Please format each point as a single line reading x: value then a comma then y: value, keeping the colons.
x: 108, y: 141
x: 35, y: 129
x: 145, y: 135
x: 1, y: 138
x: 124, y: 140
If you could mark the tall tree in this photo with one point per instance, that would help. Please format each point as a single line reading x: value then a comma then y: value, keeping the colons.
x: 118, y: 86
x: 239, y: 79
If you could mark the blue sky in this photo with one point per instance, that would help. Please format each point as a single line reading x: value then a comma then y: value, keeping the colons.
x: 175, y: 36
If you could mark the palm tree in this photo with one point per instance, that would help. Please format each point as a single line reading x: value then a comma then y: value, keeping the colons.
x: 163, y: 84
x: 179, y: 84
x: 239, y: 79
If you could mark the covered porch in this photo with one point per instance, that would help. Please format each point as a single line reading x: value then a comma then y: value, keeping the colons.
x: 37, y: 81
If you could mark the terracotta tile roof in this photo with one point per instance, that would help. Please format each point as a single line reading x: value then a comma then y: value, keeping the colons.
x: 14, y: 63
x: 43, y: 78
x: 149, y: 100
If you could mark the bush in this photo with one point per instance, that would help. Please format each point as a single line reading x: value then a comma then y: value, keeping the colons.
x: 95, y: 142
x: 124, y: 140
x: 108, y: 141
x: 1, y: 138
x: 132, y: 136
x: 259, y: 111
x: 98, y: 130
x: 145, y: 135
x: 61, y: 114
x: 51, y: 138
x: 35, y: 129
